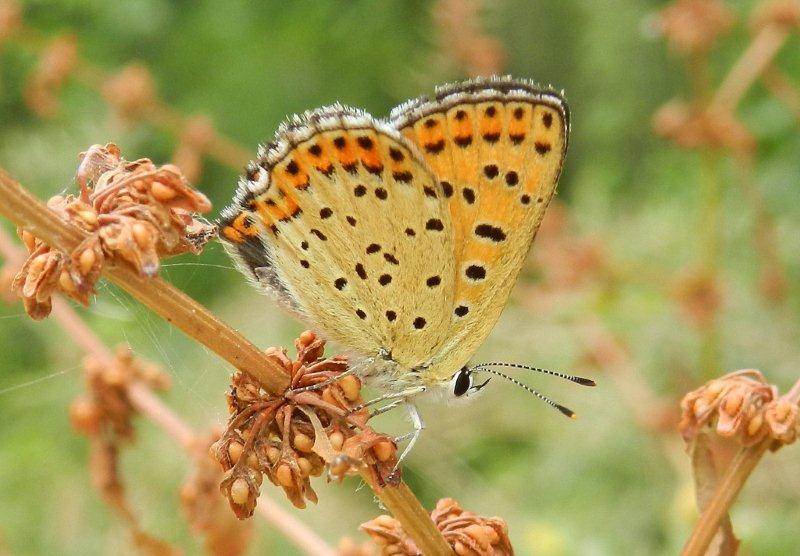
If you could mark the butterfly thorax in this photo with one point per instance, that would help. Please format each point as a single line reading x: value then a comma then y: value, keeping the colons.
x: 391, y: 377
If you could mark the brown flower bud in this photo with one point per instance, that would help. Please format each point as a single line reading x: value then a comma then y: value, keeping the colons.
x: 235, y: 450
x: 303, y: 442
x: 240, y: 491
x: 85, y: 416
x: 351, y: 386
x: 87, y: 259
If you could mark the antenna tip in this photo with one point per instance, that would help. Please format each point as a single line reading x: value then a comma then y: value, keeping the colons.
x: 585, y: 381
x: 566, y: 411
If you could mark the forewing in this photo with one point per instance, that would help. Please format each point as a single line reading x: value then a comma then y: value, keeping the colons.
x: 497, y: 145
x: 345, y: 225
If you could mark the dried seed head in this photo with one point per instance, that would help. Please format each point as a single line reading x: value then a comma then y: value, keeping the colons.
x: 56, y: 63
x: 781, y: 417
x: 337, y: 440
x: 65, y: 282
x: 162, y: 192
x: 206, y: 509
x: 385, y: 450
x: 131, y: 91
x: 86, y: 261
x: 740, y: 405
x: 85, y: 416
x: 133, y: 211
x: 301, y: 433
x: 467, y: 533
x: 690, y: 128
x: 782, y: 13
x: 693, y: 26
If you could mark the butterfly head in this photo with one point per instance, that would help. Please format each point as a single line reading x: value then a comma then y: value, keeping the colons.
x: 463, y: 383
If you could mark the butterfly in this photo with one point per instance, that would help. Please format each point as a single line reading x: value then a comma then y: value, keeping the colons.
x: 402, y: 238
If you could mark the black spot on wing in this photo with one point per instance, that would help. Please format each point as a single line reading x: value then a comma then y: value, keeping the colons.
x: 492, y: 233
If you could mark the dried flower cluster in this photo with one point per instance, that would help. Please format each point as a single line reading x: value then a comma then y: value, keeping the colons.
x: 742, y: 406
x: 297, y: 435
x: 134, y: 211
x: 692, y: 26
x: 784, y: 13
x: 691, y: 127
x: 699, y: 294
x: 467, y: 533
x: 197, y: 135
x: 105, y: 415
x: 131, y: 92
x: 205, y: 508
x: 56, y: 63
x: 10, y: 19
x: 105, y: 409
x: 465, y: 41
x: 564, y: 259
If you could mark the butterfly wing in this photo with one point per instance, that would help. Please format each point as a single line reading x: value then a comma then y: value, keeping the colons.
x: 345, y: 225
x: 498, y: 146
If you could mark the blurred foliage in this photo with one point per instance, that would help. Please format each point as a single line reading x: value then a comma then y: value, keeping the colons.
x: 608, y: 484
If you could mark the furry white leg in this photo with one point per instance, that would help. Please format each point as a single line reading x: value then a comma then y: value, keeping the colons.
x: 384, y: 409
x: 419, y: 426
x: 401, y: 396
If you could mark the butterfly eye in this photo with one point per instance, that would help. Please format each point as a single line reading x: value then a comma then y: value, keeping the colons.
x: 462, y: 381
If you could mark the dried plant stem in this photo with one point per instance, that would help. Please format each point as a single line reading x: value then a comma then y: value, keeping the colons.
x: 151, y: 407
x: 757, y: 58
x: 729, y: 487
x: 710, y: 224
x: 780, y: 86
x: 19, y: 206
x: 294, y: 530
x: 164, y: 299
x: 774, y: 275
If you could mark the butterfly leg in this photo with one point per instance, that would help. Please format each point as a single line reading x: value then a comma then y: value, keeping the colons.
x: 389, y: 396
x: 419, y: 426
x: 384, y: 409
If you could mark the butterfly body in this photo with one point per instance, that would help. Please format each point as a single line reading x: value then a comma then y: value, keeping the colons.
x: 402, y: 238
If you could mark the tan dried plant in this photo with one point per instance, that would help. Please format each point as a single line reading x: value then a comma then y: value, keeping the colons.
x: 135, y: 211
x: 318, y: 424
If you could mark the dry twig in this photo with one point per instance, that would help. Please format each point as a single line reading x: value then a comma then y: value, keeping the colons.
x: 746, y: 415
x: 196, y: 321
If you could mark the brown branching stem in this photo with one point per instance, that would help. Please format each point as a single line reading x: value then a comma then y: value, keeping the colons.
x: 19, y: 206
x: 756, y: 59
x: 710, y: 231
x: 780, y: 86
x: 773, y: 272
x: 729, y: 488
x: 151, y: 407
x: 171, y: 304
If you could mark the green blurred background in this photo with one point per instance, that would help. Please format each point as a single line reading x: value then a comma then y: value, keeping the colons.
x: 615, y: 481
